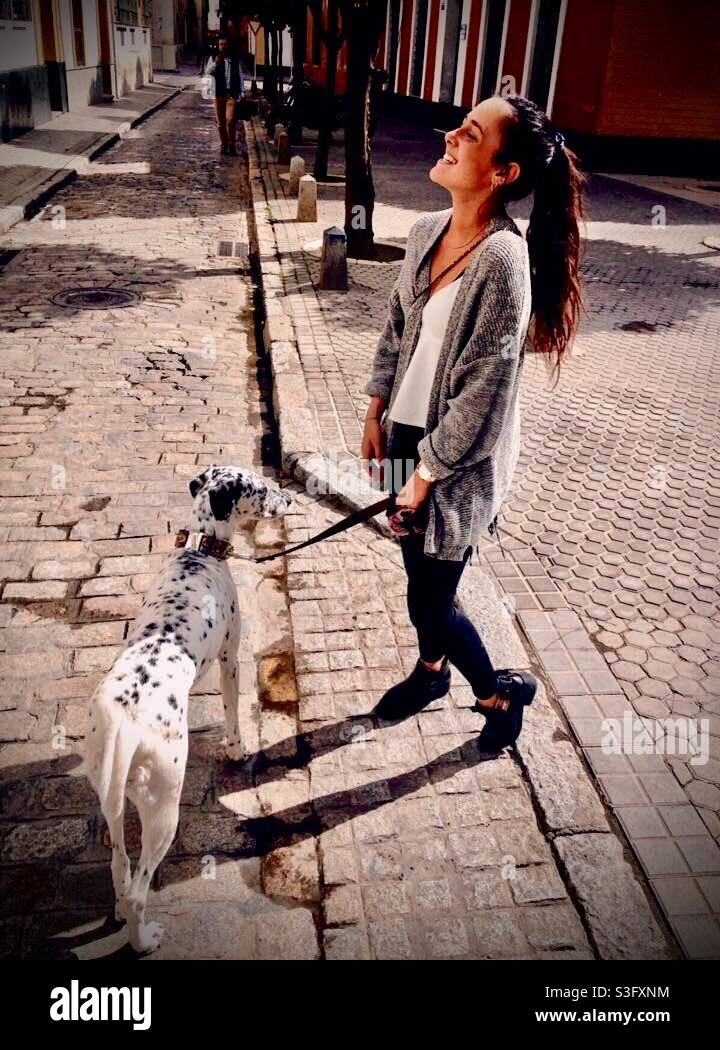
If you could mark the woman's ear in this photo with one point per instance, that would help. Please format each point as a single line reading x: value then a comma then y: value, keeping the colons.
x: 510, y: 173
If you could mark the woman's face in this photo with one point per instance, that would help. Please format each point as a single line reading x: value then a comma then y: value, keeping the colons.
x: 467, y: 167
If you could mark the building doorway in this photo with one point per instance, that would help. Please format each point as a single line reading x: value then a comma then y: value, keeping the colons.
x: 105, y: 56
x: 55, y: 69
x: 546, y: 39
x: 491, y: 48
x: 451, y: 47
x: 393, y: 42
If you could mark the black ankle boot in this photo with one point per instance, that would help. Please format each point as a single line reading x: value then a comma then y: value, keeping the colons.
x: 502, y: 728
x: 419, y: 689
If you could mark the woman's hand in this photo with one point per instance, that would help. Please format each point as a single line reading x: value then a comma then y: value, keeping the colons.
x: 373, y: 439
x: 411, y: 497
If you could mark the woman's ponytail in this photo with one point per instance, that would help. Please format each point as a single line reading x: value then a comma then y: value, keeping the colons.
x: 550, y: 171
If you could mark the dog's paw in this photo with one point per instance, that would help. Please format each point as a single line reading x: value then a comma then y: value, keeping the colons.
x: 236, y: 752
x: 148, y: 937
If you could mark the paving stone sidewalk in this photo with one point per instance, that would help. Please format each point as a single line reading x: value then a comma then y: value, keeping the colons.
x: 36, y: 165
x: 104, y: 417
x: 612, y: 530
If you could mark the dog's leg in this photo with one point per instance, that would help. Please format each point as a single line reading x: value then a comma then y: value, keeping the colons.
x: 120, y: 864
x: 159, y: 824
x: 230, y: 683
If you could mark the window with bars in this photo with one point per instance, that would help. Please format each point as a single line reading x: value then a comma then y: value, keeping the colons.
x: 147, y: 13
x: 78, y: 31
x: 126, y: 12
x: 15, y: 11
x: 418, y: 52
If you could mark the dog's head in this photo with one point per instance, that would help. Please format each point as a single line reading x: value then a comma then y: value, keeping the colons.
x: 226, y: 497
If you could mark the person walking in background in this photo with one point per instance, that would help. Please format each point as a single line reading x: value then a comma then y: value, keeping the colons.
x: 445, y: 377
x: 209, y: 48
x: 227, y: 72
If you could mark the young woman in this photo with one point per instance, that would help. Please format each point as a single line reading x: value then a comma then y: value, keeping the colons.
x: 444, y: 386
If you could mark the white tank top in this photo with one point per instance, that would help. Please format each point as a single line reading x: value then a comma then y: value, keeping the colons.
x: 413, y: 397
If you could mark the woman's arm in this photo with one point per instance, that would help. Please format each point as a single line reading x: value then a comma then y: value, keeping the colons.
x: 375, y: 408
x: 372, y: 446
x: 485, y: 376
x: 384, y: 364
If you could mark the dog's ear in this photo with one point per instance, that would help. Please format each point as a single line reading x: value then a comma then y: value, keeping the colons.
x: 197, y: 483
x: 222, y: 500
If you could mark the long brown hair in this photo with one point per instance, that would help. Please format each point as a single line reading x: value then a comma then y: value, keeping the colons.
x: 550, y: 171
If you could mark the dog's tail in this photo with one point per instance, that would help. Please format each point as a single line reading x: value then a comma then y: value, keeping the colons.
x: 119, y: 748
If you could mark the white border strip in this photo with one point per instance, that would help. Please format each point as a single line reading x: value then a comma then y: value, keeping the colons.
x: 411, y: 54
x: 439, y: 44
x: 462, y: 52
x: 426, y: 50
x: 480, y: 60
x: 503, y: 45
x: 529, y: 46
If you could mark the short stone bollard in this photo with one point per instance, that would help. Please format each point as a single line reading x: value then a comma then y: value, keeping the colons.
x: 283, y: 148
x: 297, y: 170
x: 333, y: 264
x: 307, y: 199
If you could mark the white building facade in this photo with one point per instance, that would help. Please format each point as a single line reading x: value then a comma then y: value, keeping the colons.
x: 59, y: 55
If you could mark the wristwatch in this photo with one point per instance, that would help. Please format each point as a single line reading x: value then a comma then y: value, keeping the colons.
x: 424, y: 473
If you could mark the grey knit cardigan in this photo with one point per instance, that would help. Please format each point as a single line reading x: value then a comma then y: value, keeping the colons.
x: 472, y: 432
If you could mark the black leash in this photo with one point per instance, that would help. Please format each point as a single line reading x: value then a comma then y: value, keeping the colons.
x: 355, y: 519
x: 339, y: 526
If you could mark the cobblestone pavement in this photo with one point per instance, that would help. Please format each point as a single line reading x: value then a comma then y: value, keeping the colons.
x: 104, y: 416
x: 37, y: 163
x: 427, y: 848
x: 615, y: 514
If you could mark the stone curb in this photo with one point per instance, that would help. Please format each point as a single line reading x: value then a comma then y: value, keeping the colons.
x: 620, y: 921
x: 25, y: 207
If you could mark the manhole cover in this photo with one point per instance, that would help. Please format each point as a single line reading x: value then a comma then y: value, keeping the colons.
x: 229, y: 248
x: 96, y: 298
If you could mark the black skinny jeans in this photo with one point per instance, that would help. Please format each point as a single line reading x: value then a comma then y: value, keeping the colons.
x: 442, y: 629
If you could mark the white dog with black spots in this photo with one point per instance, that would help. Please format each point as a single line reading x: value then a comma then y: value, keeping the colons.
x: 137, y: 741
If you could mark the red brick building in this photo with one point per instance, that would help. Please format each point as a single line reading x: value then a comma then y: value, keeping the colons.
x: 633, y: 83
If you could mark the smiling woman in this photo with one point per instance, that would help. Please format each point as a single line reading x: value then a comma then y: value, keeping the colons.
x: 444, y: 390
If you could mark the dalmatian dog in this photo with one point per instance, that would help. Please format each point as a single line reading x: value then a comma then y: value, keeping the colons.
x: 137, y: 741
